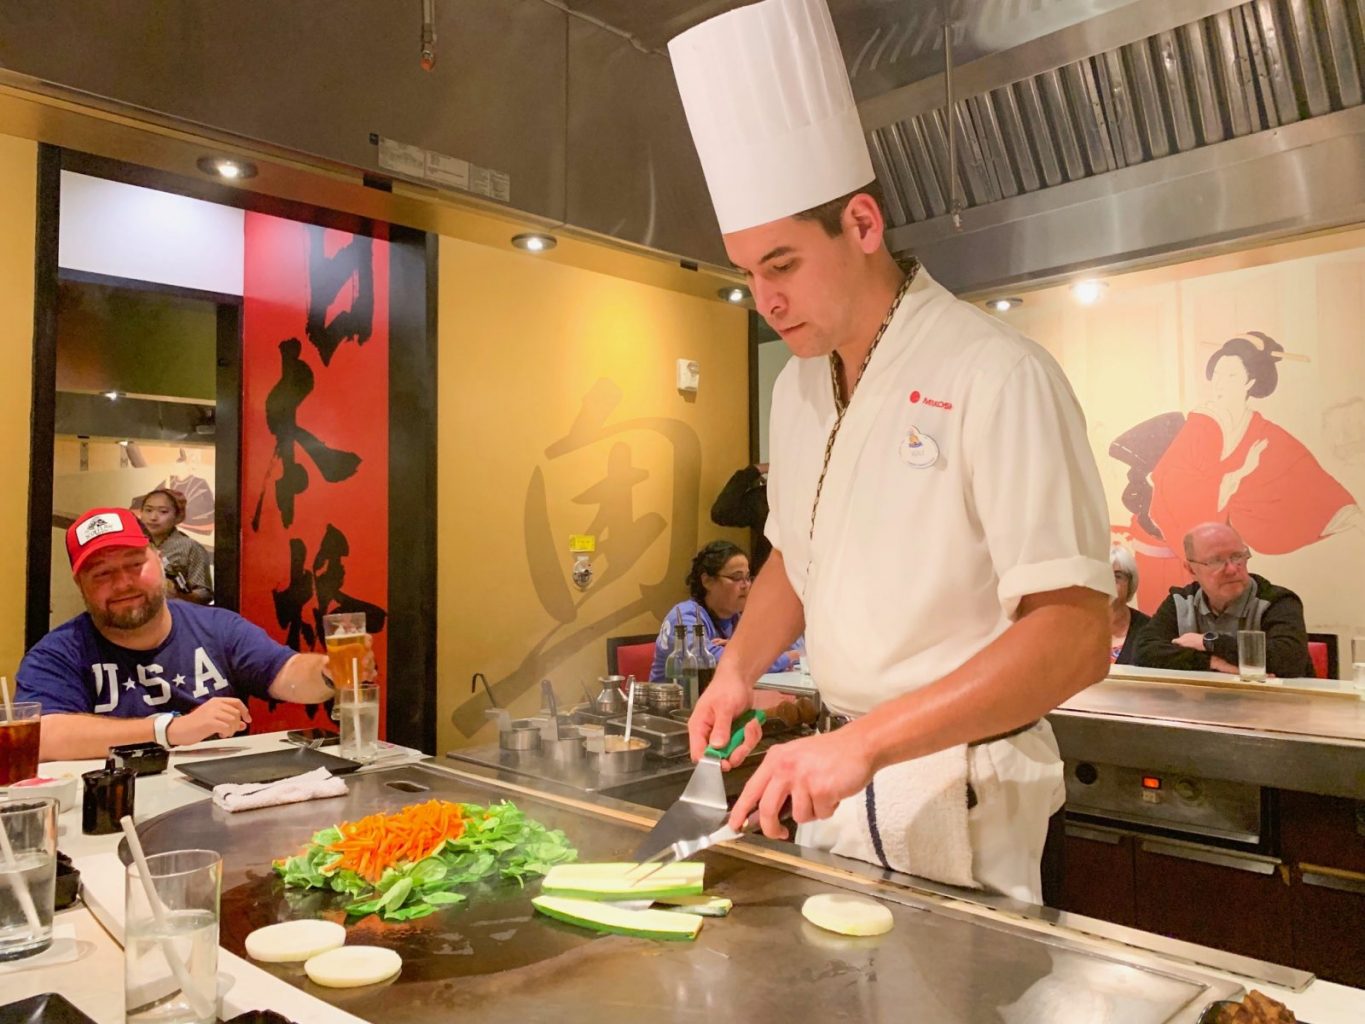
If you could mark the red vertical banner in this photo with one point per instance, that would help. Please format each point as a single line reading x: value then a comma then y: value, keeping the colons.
x: 315, y: 439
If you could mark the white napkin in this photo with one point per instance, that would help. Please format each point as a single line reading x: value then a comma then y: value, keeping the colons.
x: 315, y: 785
x: 920, y: 819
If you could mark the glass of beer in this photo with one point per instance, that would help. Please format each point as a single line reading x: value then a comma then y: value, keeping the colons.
x: 344, y: 634
x: 19, y: 726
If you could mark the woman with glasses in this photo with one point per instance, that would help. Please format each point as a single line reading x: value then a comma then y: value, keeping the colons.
x: 1125, y: 621
x: 719, y: 583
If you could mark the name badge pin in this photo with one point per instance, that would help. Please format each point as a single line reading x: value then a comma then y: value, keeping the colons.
x: 918, y: 449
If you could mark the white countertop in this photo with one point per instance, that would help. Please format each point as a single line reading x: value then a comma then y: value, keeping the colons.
x: 94, y: 981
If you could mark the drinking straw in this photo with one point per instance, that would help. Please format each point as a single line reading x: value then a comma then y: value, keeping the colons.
x: 21, y: 892
x: 630, y: 711
x: 9, y: 706
x: 182, y: 976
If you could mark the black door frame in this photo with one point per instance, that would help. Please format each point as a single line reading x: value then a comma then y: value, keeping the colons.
x: 411, y: 720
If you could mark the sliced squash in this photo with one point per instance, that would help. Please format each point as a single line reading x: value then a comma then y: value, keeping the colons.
x: 294, y: 941
x: 848, y: 914
x: 602, y: 917
x: 706, y: 906
x: 613, y: 881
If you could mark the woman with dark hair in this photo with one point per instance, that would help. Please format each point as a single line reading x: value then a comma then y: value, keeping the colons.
x: 184, y: 559
x: 1229, y: 464
x: 719, y: 583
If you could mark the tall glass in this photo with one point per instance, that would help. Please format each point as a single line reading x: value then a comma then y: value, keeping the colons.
x: 28, y: 871
x: 20, y: 726
x: 344, y: 635
x: 1251, y: 655
x: 358, y: 710
x: 170, y: 953
x: 1358, y: 663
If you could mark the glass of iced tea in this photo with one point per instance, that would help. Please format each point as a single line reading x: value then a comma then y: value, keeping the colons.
x: 19, y: 725
x: 344, y: 634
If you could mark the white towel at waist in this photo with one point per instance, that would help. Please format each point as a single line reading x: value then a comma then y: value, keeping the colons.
x: 912, y: 818
x: 314, y: 785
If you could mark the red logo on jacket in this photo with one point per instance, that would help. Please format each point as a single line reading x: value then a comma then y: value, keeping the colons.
x: 934, y: 403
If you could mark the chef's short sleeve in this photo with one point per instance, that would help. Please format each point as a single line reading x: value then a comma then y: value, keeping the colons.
x: 1034, y: 484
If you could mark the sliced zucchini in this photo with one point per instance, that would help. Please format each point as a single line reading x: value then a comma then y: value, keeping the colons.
x: 706, y: 906
x: 848, y: 914
x: 602, y: 917
x: 613, y: 881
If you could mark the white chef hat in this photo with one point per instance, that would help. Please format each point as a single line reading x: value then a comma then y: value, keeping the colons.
x: 771, y: 110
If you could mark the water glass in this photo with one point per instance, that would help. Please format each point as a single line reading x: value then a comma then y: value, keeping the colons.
x: 170, y: 952
x: 357, y: 708
x: 20, y: 725
x: 28, y: 871
x: 1251, y: 655
x: 1358, y: 663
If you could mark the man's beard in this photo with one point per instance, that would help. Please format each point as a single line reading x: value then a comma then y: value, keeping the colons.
x: 133, y: 617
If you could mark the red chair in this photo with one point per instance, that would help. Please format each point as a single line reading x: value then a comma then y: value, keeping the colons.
x: 1322, y: 652
x: 631, y: 655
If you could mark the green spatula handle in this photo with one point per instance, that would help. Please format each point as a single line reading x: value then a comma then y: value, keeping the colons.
x: 737, y: 737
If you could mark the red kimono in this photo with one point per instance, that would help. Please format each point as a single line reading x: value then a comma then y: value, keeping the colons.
x: 1284, y: 504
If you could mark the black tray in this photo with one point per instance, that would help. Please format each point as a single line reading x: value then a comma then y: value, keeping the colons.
x: 270, y: 766
x: 48, y: 1008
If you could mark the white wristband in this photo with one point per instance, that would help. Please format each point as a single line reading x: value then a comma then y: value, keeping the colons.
x: 160, y: 725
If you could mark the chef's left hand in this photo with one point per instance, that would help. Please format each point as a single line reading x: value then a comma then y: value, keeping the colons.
x: 814, y: 773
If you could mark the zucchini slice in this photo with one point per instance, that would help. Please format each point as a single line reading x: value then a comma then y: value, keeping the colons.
x: 600, y: 917
x: 612, y: 881
x: 706, y: 906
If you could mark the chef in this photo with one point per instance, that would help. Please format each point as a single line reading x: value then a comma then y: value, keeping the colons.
x: 939, y: 530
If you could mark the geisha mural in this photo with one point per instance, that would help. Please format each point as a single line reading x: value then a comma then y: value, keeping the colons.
x: 1225, y: 462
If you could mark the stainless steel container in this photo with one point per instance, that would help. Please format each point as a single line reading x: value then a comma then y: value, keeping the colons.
x: 618, y: 757
x: 661, y: 698
x: 566, y: 750
x: 523, y: 734
x: 667, y: 737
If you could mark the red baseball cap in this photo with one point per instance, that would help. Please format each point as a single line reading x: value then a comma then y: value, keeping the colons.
x: 102, y: 528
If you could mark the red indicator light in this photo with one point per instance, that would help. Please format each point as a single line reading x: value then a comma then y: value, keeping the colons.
x: 1151, y: 782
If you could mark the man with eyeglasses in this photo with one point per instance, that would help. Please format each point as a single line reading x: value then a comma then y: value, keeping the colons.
x: 1195, y: 628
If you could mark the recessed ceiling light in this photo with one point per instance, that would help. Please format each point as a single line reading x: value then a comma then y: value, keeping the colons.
x: 1004, y: 305
x: 223, y: 167
x: 734, y: 294
x: 1088, y: 292
x: 124, y: 443
x: 532, y: 242
x: 113, y: 396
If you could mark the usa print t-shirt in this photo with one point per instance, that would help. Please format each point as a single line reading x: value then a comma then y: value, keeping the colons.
x: 209, y: 652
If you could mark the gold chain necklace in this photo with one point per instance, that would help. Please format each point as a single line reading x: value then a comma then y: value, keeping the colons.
x: 840, y: 406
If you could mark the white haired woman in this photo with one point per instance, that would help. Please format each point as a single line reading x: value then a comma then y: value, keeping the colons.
x: 1124, y: 622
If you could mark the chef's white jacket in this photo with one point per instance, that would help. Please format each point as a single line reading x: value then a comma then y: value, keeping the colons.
x: 961, y: 480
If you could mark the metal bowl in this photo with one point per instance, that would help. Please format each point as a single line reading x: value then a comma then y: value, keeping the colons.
x: 524, y: 734
x: 566, y: 750
x: 617, y: 757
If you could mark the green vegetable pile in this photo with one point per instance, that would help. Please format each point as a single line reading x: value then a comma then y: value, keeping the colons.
x: 498, y: 842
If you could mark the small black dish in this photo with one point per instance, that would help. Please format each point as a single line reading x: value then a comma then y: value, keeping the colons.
x: 260, y: 1017
x: 141, y: 758
x: 48, y: 1008
x: 68, y: 885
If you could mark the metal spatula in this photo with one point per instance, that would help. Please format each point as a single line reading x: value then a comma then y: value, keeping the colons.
x: 702, y: 808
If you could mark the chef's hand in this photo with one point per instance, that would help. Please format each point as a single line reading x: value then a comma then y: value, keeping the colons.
x: 709, y: 724
x: 221, y: 716
x: 1194, y: 641
x: 814, y: 774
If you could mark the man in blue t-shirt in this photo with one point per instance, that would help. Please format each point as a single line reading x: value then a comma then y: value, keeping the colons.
x: 136, y: 667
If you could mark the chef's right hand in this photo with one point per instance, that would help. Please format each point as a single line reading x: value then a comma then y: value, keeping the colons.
x: 709, y: 724
x: 221, y: 716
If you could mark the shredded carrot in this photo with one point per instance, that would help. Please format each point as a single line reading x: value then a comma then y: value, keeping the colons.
x: 380, y: 841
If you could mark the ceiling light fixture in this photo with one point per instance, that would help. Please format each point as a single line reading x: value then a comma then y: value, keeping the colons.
x: 1004, y: 305
x: 222, y: 167
x: 532, y: 242
x: 1088, y: 292
x: 113, y: 396
x: 734, y: 294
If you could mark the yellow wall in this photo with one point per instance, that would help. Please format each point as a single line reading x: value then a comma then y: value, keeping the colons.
x: 18, y: 212
x: 1142, y: 351
x: 559, y: 414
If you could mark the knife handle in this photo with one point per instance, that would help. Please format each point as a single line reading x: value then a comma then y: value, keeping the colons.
x: 736, y: 737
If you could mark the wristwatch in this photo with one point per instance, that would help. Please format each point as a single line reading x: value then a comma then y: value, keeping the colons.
x: 160, y: 724
x: 1209, y: 639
